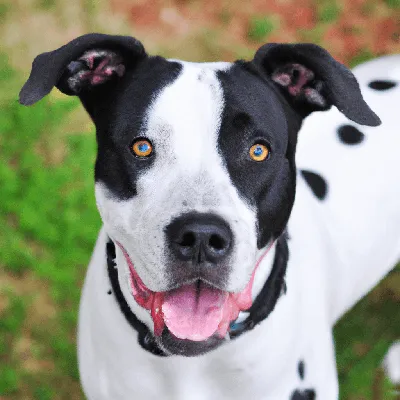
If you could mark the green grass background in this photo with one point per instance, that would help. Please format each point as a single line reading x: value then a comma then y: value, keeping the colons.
x: 49, y: 224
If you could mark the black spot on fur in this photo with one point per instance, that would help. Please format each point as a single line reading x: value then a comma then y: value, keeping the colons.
x: 316, y: 182
x: 308, y: 394
x: 297, y: 396
x: 109, y: 292
x: 301, y: 369
x: 349, y: 134
x: 382, y: 85
x: 284, y: 288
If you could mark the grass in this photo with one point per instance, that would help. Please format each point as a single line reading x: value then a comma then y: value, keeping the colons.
x: 49, y: 224
x: 261, y: 27
x: 363, y: 56
x: 328, y: 12
x: 362, y: 338
x: 395, y: 4
x: 47, y: 4
x: 4, y: 9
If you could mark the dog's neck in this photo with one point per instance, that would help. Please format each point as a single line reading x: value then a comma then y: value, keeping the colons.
x: 269, y: 284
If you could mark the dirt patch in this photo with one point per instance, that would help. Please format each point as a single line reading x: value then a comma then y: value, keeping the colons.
x: 40, y: 311
x: 30, y: 351
x: 53, y: 151
x: 388, y: 289
x: 24, y: 349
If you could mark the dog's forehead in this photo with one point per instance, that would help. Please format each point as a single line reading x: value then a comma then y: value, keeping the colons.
x: 184, y: 117
x: 194, y: 96
x: 191, y: 107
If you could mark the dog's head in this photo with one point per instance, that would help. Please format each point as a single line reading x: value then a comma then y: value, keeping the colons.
x: 195, y: 172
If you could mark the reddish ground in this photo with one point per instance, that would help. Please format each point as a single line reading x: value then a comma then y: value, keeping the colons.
x: 351, y: 30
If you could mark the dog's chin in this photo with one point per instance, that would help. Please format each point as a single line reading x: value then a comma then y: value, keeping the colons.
x: 187, y: 348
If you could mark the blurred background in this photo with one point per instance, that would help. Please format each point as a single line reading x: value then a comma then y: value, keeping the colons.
x: 48, y: 217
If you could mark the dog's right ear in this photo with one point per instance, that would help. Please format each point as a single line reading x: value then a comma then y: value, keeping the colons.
x: 84, y: 63
x: 312, y: 80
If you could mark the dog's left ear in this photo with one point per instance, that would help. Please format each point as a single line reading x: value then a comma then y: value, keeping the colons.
x: 312, y: 80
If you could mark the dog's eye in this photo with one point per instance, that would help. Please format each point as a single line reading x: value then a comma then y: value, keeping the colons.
x: 259, y: 152
x: 142, y: 148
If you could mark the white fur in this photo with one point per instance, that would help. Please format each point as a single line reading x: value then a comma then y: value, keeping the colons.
x: 391, y: 363
x: 339, y: 249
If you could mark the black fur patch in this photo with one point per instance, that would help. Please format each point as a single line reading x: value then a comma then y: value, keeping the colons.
x: 308, y: 394
x: 109, y: 292
x: 349, y: 134
x: 256, y: 112
x: 120, y: 118
x: 316, y: 182
x: 301, y: 368
x: 382, y: 85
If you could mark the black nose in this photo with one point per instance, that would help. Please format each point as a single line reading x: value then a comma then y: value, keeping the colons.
x: 199, y: 237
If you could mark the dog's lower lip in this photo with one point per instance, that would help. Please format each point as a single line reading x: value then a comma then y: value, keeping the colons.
x: 173, y: 345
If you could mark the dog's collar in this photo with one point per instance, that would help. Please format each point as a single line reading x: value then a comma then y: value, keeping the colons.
x: 262, y: 306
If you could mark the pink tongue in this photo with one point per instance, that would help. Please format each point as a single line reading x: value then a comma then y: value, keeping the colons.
x: 194, y: 313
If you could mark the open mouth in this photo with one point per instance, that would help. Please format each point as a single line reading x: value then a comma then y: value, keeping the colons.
x: 194, y: 312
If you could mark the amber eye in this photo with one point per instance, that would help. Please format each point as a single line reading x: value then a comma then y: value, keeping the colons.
x: 142, y: 148
x: 259, y: 152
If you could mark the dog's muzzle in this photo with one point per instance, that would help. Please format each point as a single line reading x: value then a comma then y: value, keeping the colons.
x: 198, y: 308
x: 194, y: 311
x: 163, y: 306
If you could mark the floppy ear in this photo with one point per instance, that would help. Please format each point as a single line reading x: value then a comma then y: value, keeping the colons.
x: 84, y: 63
x: 312, y: 80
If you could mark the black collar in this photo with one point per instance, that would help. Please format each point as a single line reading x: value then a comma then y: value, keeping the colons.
x: 262, y: 306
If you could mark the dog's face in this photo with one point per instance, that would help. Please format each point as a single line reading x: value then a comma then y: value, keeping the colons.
x: 195, y: 173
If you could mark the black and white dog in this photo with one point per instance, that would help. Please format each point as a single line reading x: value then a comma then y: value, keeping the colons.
x: 195, y: 183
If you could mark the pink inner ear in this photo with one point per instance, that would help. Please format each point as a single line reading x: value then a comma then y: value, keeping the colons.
x: 296, y: 78
x: 101, y: 66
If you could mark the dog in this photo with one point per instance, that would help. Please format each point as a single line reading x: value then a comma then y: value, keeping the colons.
x: 226, y: 256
